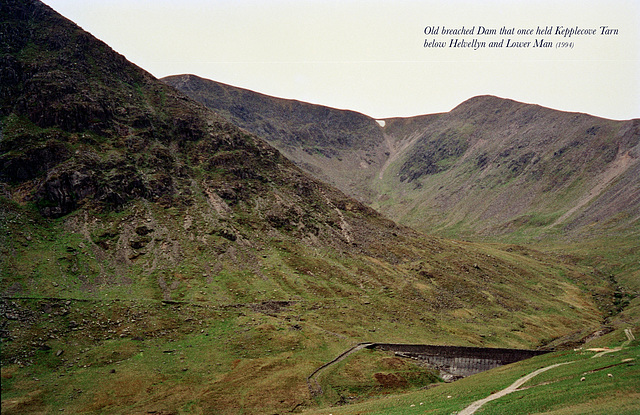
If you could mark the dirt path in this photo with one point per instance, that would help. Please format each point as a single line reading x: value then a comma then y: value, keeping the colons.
x: 512, y: 388
x: 603, y: 352
x: 314, y: 385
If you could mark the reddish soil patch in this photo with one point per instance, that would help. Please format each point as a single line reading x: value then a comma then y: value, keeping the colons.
x: 390, y: 380
x: 393, y: 363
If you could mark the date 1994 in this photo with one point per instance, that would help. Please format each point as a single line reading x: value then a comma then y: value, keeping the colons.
x: 564, y: 45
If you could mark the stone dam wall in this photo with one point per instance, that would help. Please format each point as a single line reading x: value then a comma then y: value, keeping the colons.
x: 455, y: 362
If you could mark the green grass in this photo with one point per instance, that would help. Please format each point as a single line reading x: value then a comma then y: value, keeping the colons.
x: 370, y: 373
x: 167, y: 348
x: 558, y: 390
x: 433, y: 291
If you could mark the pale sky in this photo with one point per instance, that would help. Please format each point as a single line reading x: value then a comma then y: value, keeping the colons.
x: 369, y: 56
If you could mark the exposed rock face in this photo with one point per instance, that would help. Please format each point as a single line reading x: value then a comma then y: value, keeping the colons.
x: 340, y: 147
x: 101, y: 129
x: 283, y: 122
x: 64, y: 192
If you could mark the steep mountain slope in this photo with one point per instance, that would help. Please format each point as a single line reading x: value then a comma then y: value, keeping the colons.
x: 490, y: 166
x: 498, y: 170
x: 343, y: 148
x: 158, y: 259
x: 494, y: 169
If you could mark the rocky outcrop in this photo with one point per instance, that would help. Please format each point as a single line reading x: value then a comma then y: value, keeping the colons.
x: 333, y: 145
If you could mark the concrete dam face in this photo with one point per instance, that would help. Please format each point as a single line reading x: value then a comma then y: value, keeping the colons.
x: 456, y: 362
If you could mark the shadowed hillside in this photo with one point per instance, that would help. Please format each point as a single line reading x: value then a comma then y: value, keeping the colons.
x: 343, y: 148
x: 489, y: 167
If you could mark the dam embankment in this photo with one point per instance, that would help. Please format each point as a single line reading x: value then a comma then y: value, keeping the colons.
x: 455, y: 362
x: 452, y: 362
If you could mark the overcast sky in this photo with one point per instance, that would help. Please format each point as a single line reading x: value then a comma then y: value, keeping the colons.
x: 370, y: 56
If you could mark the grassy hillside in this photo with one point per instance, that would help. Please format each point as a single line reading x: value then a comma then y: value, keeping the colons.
x: 156, y: 258
x: 500, y: 171
x: 585, y: 382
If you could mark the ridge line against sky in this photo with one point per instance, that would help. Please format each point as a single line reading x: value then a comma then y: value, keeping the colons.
x: 370, y: 56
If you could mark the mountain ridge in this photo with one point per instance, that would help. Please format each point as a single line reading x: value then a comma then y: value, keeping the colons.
x: 316, y: 137
x: 505, y: 138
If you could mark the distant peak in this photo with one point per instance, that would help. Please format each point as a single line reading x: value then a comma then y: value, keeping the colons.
x: 486, y: 99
